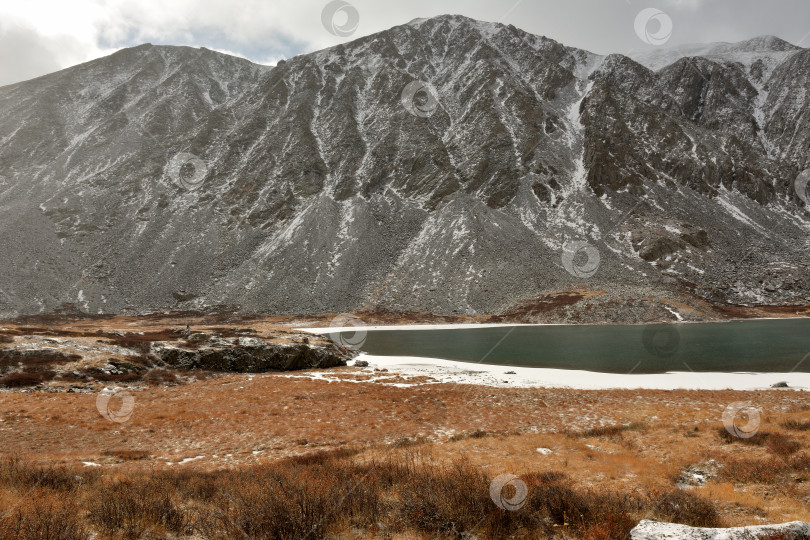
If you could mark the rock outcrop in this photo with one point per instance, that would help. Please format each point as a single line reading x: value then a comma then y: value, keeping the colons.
x: 253, y: 355
x: 654, y: 530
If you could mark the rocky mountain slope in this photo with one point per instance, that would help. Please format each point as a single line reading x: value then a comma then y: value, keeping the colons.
x: 445, y: 165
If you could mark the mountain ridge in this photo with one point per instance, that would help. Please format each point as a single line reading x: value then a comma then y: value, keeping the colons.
x: 326, y: 187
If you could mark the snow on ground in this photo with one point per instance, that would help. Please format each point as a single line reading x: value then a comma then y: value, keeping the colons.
x: 185, y: 460
x: 677, y: 315
x: 330, y: 330
x: 453, y: 326
x: 451, y: 371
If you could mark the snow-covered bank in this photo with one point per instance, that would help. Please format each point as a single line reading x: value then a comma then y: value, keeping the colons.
x: 526, y: 377
x: 417, y: 326
x: 457, y: 326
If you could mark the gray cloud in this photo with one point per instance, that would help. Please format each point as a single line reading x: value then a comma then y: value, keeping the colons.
x: 25, y: 53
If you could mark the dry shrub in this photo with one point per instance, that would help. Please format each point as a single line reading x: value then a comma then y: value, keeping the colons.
x: 42, y: 516
x: 322, y: 456
x: 778, y: 444
x: 610, y: 431
x: 745, y: 470
x: 783, y: 446
x: 133, y: 507
x: 477, y: 434
x: 35, y: 357
x: 196, y: 485
x: 800, y: 463
x: 160, y: 376
x: 758, y: 439
x: 73, y: 376
x: 587, y: 513
x: 447, y: 500
x: 128, y: 454
x: 293, y: 502
x: 407, y: 442
x: 20, y: 475
x: 678, y: 506
x: 796, y: 425
x: 326, y: 494
x: 610, y: 528
x: 19, y: 379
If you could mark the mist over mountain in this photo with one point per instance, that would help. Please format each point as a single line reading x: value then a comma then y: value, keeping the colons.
x: 445, y: 165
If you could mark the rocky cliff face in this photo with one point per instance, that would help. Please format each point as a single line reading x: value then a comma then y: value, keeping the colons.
x: 253, y: 355
x: 167, y: 176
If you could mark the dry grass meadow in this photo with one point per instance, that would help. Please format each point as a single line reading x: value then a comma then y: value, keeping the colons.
x: 353, y: 453
x: 361, y: 459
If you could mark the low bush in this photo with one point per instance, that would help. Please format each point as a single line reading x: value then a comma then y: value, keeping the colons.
x: 21, y: 475
x: 777, y: 443
x: 326, y: 494
x: 609, y: 431
x: 160, y: 376
x: 746, y: 470
x: 19, y: 379
x: 128, y: 454
x: 35, y: 357
x: 783, y: 446
x: 135, y: 507
x: 42, y: 516
x: 678, y: 506
x: 796, y: 425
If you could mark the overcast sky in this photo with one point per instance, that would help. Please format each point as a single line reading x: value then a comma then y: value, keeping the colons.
x: 41, y: 36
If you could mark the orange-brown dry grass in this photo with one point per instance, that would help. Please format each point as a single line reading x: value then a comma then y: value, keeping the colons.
x: 635, y: 440
x: 322, y: 495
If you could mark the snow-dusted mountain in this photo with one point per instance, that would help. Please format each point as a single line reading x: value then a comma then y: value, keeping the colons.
x: 770, y: 51
x: 337, y: 180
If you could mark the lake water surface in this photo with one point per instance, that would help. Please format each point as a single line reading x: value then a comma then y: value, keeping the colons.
x: 781, y: 345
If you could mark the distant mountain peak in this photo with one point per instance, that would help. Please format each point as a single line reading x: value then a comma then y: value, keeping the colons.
x: 763, y: 44
x: 746, y: 51
x: 417, y: 21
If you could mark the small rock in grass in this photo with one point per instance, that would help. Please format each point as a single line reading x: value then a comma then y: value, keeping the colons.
x: 361, y: 363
